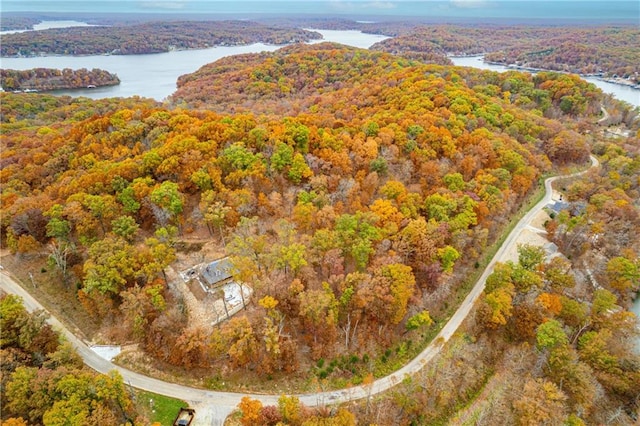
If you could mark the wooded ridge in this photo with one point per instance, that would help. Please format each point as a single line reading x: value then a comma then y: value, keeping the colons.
x: 354, y: 191
x: 148, y: 37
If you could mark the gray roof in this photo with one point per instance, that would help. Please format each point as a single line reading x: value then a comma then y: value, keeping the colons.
x: 558, y: 206
x: 217, y: 271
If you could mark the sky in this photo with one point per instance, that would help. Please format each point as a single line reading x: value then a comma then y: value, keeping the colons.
x: 576, y: 9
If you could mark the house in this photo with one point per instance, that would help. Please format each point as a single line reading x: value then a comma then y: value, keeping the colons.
x: 558, y: 206
x: 216, y: 273
x: 207, y: 278
x: 575, y: 208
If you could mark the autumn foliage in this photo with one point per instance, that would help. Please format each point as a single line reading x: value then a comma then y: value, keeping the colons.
x: 147, y: 37
x: 44, y: 381
x: 351, y: 189
x: 603, y: 50
x: 40, y: 79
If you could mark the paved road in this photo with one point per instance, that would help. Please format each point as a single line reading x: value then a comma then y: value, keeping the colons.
x: 215, y: 406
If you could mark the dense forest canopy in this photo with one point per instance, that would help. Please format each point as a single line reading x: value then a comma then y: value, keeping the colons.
x: 353, y: 190
x: 54, y: 79
x: 148, y: 37
x: 43, y: 380
x: 394, y: 183
x: 321, y: 78
x: 551, y: 341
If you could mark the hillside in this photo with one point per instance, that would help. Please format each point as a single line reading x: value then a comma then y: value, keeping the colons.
x: 551, y: 341
x: 354, y: 191
x: 342, y: 82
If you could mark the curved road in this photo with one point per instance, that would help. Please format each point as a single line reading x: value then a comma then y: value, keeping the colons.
x: 219, y: 404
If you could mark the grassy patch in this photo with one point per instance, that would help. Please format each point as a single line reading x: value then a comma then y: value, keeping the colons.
x: 158, y: 408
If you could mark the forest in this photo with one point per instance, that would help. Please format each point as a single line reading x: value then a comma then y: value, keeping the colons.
x: 44, y: 380
x: 551, y: 341
x: 43, y: 79
x: 12, y: 23
x: 607, y: 51
x: 148, y: 37
x: 354, y: 191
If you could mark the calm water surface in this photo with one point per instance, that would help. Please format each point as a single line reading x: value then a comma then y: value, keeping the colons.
x: 349, y: 38
x: 624, y: 93
x: 150, y: 76
x: 154, y: 76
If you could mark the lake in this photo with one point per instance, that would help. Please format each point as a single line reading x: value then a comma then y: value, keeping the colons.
x: 154, y: 76
x: 151, y: 76
x: 349, y: 38
x: 624, y: 93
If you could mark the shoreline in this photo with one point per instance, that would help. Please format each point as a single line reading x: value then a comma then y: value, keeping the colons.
x: 610, y: 80
x: 55, y: 89
x: 172, y: 49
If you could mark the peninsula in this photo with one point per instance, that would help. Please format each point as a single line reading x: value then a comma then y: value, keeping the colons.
x: 47, y: 79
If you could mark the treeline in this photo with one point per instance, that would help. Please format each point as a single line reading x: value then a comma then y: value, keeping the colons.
x: 41, y: 79
x: 148, y: 37
x: 43, y: 380
x: 290, y: 411
x: 10, y: 23
x: 592, y: 50
x: 552, y: 340
x: 387, y: 28
x: 352, y: 220
x: 609, y: 52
